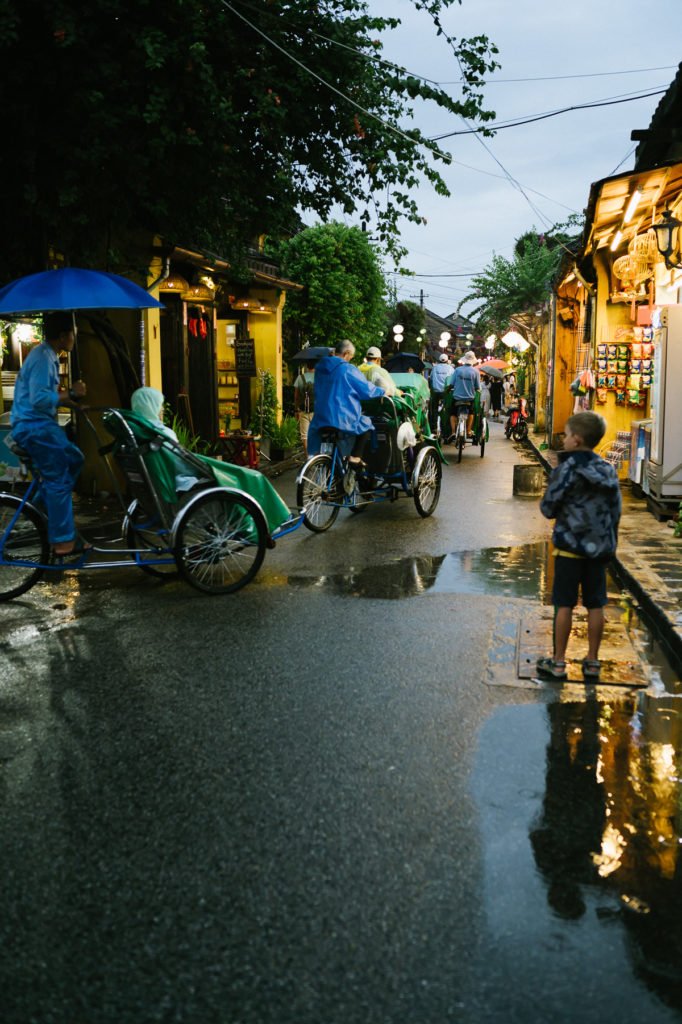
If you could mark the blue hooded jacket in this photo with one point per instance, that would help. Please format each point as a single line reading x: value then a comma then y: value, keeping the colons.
x: 583, y: 495
x: 339, y: 389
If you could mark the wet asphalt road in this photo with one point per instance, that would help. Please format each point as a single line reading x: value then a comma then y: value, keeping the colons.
x: 304, y: 803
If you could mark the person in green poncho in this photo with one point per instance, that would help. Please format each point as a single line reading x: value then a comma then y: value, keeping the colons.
x: 148, y: 402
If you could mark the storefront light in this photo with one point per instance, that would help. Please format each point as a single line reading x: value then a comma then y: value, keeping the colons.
x: 617, y: 238
x: 667, y: 234
x: 632, y: 206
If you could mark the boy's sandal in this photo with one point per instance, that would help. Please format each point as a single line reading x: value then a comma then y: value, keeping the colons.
x: 551, y: 669
x: 591, y: 669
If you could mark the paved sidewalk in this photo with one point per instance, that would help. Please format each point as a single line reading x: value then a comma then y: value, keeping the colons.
x: 648, y: 562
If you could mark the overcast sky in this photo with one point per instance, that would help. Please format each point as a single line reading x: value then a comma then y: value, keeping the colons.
x: 550, y: 43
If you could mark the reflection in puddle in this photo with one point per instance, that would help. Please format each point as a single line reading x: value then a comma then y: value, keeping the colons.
x: 579, y: 804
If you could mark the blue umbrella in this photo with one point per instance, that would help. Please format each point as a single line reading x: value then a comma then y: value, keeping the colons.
x: 71, y: 289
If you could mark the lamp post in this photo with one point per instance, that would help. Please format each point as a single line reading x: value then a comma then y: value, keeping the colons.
x: 444, y: 339
x: 398, y: 336
x: 490, y: 343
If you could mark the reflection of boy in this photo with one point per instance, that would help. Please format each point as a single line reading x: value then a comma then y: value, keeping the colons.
x: 37, y: 396
x: 583, y: 496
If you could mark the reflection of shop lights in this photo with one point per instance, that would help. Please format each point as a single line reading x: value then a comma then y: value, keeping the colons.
x: 612, y: 846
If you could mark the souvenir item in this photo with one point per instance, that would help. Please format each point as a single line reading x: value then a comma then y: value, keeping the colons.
x: 622, y: 366
x: 601, y: 351
x: 638, y: 333
x: 620, y: 398
x: 612, y: 350
x: 646, y: 380
x: 646, y: 365
x: 634, y: 380
x: 647, y: 350
x: 636, y: 351
x: 636, y: 365
x: 621, y: 380
x: 633, y: 396
x: 602, y: 394
x: 623, y: 351
x: 648, y: 333
x: 611, y: 380
x: 612, y: 366
x: 601, y: 365
x: 601, y: 380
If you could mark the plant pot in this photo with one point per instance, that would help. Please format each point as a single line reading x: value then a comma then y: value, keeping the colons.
x: 280, y: 454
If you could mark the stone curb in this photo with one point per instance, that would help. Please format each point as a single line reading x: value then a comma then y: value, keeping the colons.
x: 628, y: 567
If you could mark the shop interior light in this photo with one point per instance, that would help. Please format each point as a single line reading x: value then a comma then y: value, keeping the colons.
x: 632, y: 206
x: 616, y: 240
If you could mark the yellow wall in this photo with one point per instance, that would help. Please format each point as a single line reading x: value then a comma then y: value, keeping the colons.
x: 266, y: 331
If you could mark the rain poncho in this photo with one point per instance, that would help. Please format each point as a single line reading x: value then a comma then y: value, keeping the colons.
x: 148, y: 402
x: 339, y: 389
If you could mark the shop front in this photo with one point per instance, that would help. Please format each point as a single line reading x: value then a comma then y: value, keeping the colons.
x: 608, y: 348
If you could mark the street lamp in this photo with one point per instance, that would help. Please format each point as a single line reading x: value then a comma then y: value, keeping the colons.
x: 667, y: 233
x: 398, y: 335
x: 512, y: 339
x: 490, y: 342
x: 444, y: 339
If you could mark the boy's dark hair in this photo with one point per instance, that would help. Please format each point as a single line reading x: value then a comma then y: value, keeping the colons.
x: 55, y: 324
x: 590, y: 427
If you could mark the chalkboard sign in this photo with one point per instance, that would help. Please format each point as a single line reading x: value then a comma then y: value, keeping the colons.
x: 245, y: 357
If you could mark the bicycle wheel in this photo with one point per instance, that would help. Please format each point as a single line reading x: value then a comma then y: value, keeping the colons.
x: 426, y: 480
x: 315, y: 494
x: 460, y: 441
x: 220, y: 541
x: 141, y: 531
x: 26, y: 543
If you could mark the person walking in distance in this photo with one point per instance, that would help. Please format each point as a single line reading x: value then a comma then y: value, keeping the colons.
x: 304, y: 401
x: 496, y: 397
x: 583, y: 497
x: 465, y: 382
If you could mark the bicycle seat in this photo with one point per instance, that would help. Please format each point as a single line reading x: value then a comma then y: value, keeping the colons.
x: 329, y: 435
x: 16, y: 449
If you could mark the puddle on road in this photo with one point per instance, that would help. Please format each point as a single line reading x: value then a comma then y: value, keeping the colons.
x: 523, y: 571
x: 579, y: 810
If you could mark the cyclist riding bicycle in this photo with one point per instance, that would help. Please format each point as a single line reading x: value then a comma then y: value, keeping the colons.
x: 464, y: 382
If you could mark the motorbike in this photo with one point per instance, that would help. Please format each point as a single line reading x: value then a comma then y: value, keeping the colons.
x: 517, y: 421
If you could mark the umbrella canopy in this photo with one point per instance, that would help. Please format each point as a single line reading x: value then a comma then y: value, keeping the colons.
x: 497, y: 364
x: 71, y: 289
x: 311, y: 354
x: 491, y: 371
x: 403, y: 362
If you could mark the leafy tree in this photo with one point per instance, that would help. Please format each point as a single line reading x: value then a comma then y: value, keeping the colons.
x: 208, y: 121
x: 509, y: 288
x: 344, y: 288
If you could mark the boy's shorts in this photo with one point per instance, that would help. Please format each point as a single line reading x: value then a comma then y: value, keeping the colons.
x: 572, y: 573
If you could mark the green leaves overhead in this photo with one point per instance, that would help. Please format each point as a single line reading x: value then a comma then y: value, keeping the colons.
x: 209, y: 121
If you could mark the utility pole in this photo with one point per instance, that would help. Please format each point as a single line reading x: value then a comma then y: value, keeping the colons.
x: 421, y: 297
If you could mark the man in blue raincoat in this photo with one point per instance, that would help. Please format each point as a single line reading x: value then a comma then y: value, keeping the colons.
x: 37, y: 396
x: 339, y: 389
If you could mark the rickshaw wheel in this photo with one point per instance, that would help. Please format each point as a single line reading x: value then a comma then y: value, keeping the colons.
x: 426, y: 481
x: 140, y: 530
x: 27, y: 542
x: 313, y: 494
x: 220, y: 541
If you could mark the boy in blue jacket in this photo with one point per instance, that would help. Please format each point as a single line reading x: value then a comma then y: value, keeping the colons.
x: 583, y: 496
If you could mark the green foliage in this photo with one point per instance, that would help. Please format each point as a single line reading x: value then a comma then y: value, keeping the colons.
x: 285, y: 434
x: 126, y: 117
x: 508, y: 288
x: 192, y: 442
x: 344, y: 287
x: 264, y: 421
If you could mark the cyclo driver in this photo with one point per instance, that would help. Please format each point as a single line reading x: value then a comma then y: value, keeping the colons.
x: 339, y: 389
x: 465, y: 382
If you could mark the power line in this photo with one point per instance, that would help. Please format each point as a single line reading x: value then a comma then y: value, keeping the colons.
x: 559, y: 78
x: 552, y: 113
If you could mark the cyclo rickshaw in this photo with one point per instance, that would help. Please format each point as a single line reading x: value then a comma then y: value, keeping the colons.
x: 403, y: 458
x: 480, y: 428
x: 215, y: 535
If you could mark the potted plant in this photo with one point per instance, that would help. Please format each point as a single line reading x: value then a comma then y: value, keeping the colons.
x: 284, y: 438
